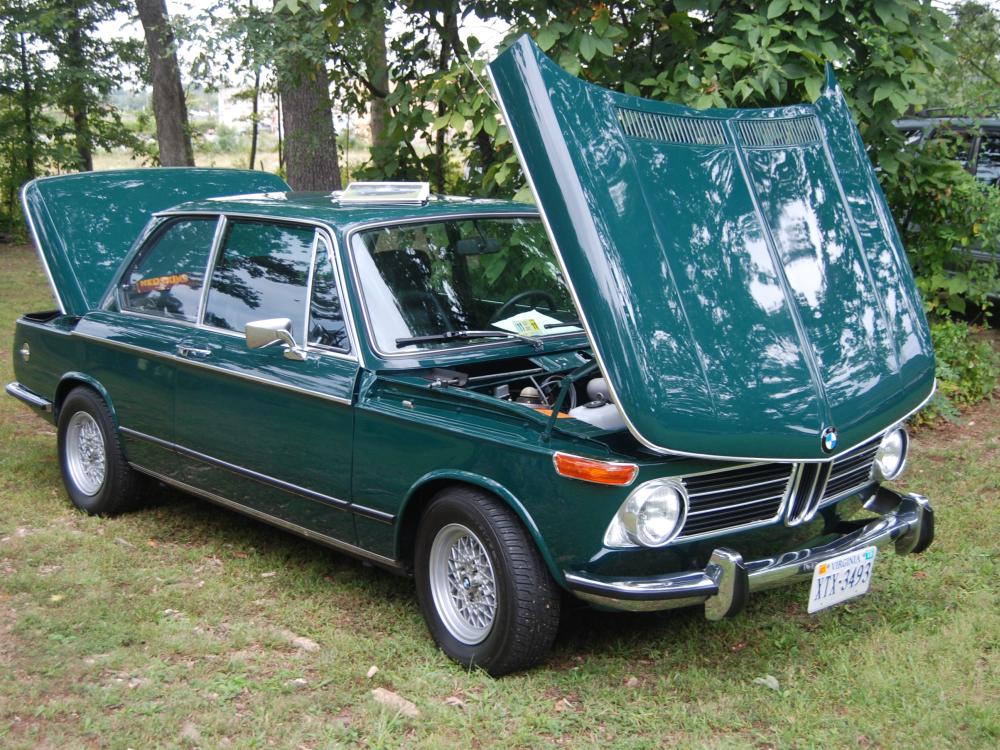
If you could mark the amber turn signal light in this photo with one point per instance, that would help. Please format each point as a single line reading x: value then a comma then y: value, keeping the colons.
x: 592, y: 470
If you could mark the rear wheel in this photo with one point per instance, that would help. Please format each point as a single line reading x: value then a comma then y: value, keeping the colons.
x: 98, y: 479
x: 485, y: 592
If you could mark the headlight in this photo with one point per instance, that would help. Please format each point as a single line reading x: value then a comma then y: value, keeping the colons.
x: 891, y: 455
x: 651, y: 516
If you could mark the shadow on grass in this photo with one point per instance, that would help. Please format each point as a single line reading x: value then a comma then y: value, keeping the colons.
x: 585, y: 634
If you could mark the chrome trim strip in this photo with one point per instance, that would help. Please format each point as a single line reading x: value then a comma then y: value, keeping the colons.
x: 356, y: 228
x: 738, y: 487
x: 307, y: 308
x: 333, y: 258
x: 337, y: 503
x: 727, y: 508
x: 223, y: 370
x: 373, y: 514
x: 329, y: 541
x: 213, y: 255
x: 597, y: 355
x: 28, y: 397
x: 257, y: 476
x: 38, y: 245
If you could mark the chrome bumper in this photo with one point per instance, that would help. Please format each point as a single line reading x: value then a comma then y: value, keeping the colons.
x: 30, y: 398
x: 727, y: 581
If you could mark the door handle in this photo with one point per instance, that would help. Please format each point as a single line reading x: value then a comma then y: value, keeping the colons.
x: 193, y: 352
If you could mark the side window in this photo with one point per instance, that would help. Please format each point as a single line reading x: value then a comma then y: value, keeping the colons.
x: 262, y: 272
x: 988, y: 163
x: 326, y: 318
x: 167, y: 276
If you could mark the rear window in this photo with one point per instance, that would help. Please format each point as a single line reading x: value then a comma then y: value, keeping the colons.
x: 166, y: 278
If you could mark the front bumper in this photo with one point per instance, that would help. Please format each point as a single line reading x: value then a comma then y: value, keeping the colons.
x: 725, y: 584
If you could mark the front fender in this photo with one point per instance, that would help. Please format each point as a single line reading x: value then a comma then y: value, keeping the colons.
x: 417, y: 494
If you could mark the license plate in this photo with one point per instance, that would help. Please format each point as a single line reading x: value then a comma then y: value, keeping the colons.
x: 841, y: 578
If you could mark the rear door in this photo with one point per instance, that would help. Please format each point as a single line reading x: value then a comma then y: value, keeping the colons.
x: 253, y: 427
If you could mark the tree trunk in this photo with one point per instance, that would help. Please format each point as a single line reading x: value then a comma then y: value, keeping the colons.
x: 281, y: 133
x: 169, y: 107
x: 449, y: 33
x: 310, y: 140
x: 255, y: 117
x: 27, y: 108
x: 378, y: 75
x: 76, y: 96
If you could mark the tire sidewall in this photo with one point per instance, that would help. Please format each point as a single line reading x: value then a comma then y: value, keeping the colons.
x: 85, y: 400
x: 445, y: 510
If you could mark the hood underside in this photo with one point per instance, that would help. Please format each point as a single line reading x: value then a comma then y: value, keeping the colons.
x: 85, y: 224
x: 737, y: 271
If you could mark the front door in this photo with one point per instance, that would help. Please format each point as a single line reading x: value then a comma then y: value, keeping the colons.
x: 252, y: 426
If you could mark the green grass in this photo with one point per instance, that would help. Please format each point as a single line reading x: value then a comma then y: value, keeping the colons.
x: 166, y: 627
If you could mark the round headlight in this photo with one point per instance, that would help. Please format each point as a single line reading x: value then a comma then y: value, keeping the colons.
x: 655, y: 511
x: 891, y: 455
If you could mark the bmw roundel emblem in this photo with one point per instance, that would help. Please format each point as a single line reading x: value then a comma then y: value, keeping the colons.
x: 829, y: 439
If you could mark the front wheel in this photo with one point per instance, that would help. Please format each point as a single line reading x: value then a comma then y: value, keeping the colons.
x: 97, y: 476
x: 485, y: 592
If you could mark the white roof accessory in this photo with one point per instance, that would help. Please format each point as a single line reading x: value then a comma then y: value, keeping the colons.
x: 385, y: 193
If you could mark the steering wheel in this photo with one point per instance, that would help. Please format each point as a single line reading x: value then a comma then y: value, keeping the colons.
x: 518, y: 298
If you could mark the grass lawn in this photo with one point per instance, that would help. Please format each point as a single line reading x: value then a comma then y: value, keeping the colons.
x: 187, y: 625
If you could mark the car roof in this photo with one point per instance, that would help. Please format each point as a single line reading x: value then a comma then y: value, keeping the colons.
x: 326, y: 208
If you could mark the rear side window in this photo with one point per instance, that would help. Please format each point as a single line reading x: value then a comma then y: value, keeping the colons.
x: 167, y: 276
x: 262, y: 272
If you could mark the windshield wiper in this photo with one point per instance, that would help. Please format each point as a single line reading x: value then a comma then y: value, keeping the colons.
x: 461, y: 335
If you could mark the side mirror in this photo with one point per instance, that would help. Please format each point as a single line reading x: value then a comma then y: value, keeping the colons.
x: 261, y: 333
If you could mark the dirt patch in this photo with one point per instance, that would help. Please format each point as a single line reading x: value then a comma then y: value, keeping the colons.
x: 979, y: 424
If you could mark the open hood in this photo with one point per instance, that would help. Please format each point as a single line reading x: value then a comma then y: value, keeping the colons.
x: 84, y: 224
x: 737, y: 271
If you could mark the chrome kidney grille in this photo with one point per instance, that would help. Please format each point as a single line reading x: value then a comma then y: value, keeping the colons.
x: 852, y: 470
x: 735, y: 497
x: 762, y: 493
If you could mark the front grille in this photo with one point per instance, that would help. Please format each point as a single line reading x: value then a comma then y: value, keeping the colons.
x: 735, y: 497
x: 852, y: 471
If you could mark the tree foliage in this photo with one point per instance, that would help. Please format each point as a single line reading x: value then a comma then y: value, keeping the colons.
x: 56, y: 76
x: 706, y: 53
x: 969, y: 82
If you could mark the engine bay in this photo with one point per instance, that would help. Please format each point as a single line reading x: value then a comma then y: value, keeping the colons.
x: 567, y: 383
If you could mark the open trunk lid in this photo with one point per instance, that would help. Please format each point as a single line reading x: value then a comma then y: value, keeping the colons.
x: 84, y: 224
x: 737, y: 271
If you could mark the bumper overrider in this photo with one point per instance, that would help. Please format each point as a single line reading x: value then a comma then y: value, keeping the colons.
x: 725, y: 584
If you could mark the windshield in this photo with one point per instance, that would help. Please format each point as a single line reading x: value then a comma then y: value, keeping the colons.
x: 462, y: 276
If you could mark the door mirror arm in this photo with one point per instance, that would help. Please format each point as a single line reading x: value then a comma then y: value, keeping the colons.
x: 261, y: 333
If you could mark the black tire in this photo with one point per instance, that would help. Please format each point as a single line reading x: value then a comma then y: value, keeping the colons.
x: 524, y: 602
x: 119, y: 488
